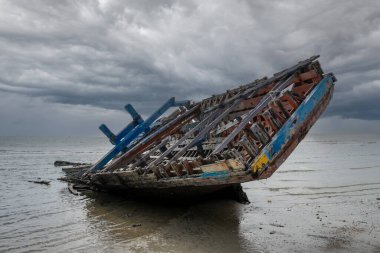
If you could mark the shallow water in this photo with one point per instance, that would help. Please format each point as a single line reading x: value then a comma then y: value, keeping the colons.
x: 325, y: 197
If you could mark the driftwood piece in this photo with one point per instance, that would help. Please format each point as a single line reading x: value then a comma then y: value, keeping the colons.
x: 45, y: 182
x: 72, y: 190
x: 59, y: 163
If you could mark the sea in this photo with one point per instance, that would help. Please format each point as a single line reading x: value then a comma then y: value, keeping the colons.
x: 324, y: 198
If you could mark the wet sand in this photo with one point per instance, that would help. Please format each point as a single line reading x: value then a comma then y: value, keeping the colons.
x: 325, y: 198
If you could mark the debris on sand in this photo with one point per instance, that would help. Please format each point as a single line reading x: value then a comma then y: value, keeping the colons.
x: 39, y: 181
x: 59, y: 163
x: 72, y: 190
x: 277, y: 225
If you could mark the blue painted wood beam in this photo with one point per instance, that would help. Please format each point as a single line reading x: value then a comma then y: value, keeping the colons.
x: 137, y: 120
x: 126, y: 131
x: 135, y: 116
x: 107, y: 132
x: 115, y: 139
x: 124, y: 144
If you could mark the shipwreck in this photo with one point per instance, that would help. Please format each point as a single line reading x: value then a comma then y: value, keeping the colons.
x: 215, y: 144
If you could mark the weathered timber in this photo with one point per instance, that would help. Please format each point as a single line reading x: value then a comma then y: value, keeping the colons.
x: 39, y: 181
x: 216, y: 144
x: 59, y: 163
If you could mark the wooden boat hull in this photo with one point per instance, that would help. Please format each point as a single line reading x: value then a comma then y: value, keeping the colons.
x: 212, y: 146
x: 269, y: 160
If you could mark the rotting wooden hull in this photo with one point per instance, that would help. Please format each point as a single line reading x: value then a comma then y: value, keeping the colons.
x: 214, y: 145
x: 300, y: 133
x: 211, y: 182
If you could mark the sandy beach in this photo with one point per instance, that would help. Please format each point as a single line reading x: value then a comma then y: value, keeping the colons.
x: 325, y: 198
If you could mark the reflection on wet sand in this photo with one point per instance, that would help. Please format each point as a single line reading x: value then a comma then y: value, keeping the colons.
x: 152, y: 227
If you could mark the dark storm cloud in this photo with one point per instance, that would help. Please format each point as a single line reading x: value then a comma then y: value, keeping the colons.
x: 108, y: 53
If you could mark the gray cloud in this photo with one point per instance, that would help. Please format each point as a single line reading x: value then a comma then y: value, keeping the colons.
x: 105, y: 54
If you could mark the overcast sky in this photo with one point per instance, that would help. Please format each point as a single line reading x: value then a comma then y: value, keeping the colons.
x: 67, y: 66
